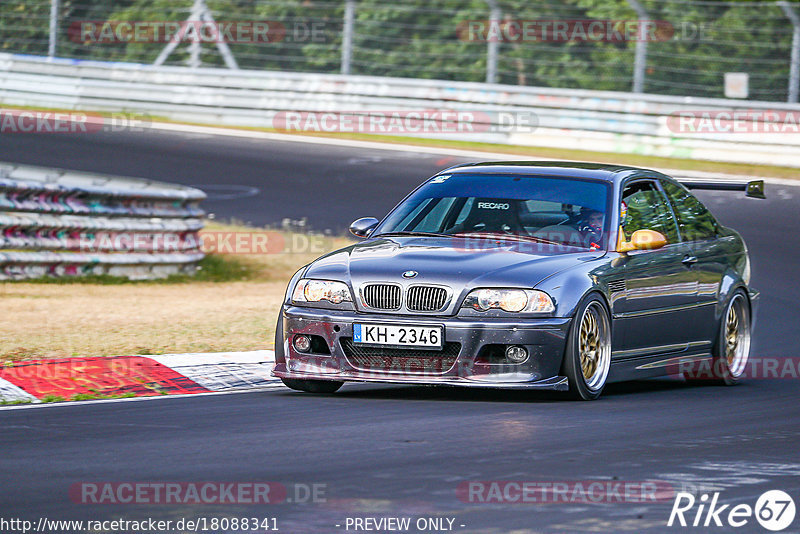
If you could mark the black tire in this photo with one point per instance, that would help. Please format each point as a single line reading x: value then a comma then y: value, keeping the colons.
x: 279, y: 354
x: 731, y: 348
x: 312, y: 386
x: 309, y: 386
x: 596, y: 362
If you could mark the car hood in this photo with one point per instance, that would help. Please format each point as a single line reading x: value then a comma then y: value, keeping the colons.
x: 457, y: 263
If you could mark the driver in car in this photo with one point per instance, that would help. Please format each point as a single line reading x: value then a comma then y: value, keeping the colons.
x: 590, y: 225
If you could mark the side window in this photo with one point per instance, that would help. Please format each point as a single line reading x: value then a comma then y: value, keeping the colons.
x: 543, y: 206
x: 462, y: 216
x: 694, y: 219
x: 427, y: 216
x: 432, y: 222
x: 413, y: 214
x: 645, y: 208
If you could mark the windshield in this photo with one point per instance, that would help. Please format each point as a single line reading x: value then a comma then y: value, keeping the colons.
x: 565, y: 211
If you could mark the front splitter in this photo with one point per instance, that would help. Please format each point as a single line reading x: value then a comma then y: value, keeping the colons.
x: 555, y: 383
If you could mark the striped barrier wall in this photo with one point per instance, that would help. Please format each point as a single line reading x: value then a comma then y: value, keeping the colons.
x: 64, y: 223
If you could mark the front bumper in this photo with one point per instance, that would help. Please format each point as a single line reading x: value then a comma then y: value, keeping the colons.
x: 544, y: 339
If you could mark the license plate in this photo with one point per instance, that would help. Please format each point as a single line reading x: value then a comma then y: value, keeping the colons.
x: 399, y: 335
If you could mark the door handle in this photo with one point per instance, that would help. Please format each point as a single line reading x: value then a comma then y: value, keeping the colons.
x: 689, y: 260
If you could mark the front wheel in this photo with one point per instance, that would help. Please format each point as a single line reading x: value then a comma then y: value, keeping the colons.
x: 588, y: 354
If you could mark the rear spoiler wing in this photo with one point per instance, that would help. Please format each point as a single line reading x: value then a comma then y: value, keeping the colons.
x: 754, y: 189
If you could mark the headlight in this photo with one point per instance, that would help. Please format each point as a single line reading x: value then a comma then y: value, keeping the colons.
x: 318, y: 290
x: 510, y: 300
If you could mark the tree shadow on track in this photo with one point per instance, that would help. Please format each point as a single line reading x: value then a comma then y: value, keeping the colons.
x: 464, y: 394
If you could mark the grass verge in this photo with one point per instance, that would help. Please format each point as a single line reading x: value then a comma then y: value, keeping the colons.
x: 230, y: 306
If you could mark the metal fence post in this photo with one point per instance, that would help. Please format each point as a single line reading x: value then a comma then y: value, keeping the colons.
x: 51, y: 48
x: 640, y: 55
x: 347, y: 36
x: 199, y: 13
x: 794, y: 68
x: 493, y: 45
x: 195, y: 48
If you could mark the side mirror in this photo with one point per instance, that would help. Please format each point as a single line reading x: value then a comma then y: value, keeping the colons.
x: 641, y: 240
x: 363, y: 227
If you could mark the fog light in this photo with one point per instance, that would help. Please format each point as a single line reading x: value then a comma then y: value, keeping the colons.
x: 302, y: 343
x: 516, y: 354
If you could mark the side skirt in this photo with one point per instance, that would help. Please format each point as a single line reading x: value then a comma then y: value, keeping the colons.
x: 657, y: 364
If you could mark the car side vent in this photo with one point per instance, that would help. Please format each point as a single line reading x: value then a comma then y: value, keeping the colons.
x: 616, y: 286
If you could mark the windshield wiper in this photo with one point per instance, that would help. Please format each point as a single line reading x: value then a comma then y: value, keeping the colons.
x: 406, y: 232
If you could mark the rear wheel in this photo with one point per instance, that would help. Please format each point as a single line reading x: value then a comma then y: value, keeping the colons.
x: 732, y: 347
x: 309, y: 386
x: 588, y: 354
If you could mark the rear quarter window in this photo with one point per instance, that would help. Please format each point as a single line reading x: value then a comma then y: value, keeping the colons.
x: 694, y: 220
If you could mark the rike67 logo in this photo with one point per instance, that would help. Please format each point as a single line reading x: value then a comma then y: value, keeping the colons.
x: 774, y: 510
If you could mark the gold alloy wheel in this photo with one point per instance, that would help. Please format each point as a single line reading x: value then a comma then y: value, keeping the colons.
x: 737, y: 335
x: 731, y: 335
x: 594, y: 346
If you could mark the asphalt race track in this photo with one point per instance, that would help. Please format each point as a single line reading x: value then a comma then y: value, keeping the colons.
x: 395, y: 451
x: 247, y: 179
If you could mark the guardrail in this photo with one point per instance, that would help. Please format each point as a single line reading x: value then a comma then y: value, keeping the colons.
x: 562, y: 118
x: 63, y: 223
